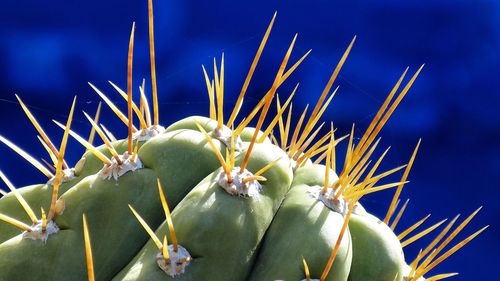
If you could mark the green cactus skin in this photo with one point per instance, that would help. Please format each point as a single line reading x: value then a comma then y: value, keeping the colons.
x: 247, y: 134
x: 37, y: 196
x: 115, y: 237
x: 166, y: 154
x: 181, y: 159
x: 220, y: 253
x: 190, y: 124
x: 313, y: 174
x: 377, y: 252
x: 40, y: 195
x: 209, y: 125
x: 304, y: 227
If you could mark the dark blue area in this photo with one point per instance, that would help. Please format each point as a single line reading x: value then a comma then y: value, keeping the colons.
x: 51, y: 49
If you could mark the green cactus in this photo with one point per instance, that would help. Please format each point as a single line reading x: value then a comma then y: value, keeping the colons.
x: 247, y: 204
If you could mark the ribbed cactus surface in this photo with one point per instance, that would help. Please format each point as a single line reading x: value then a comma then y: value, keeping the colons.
x: 207, y: 198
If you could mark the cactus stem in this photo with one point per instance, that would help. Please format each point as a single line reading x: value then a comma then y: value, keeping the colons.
x: 399, y: 215
x: 96, y: 120
x: 88, y: 250
x: 255, y: 61
x: 134, y: 106
x: 156, y: 112
x: 112, y: 106
x: 87, y: 145
x: 129, y: 86
x: 336, y: 248
x: 39, y: 128
x: 15, y: 223
x: 19, y: 198
x: 53, y: 157
x: 27, y: 157
x: 104, y: 138
x: 60, y: 159
x: 168, y: 216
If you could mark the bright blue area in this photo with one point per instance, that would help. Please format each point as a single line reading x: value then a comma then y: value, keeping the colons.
x: 51, y: 49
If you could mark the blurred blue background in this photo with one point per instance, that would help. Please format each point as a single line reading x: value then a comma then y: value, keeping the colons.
x: 51, y: 49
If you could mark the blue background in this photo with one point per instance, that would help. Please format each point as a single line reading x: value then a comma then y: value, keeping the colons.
x: 50, y: 50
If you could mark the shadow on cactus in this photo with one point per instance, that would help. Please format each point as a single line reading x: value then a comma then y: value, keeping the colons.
x: 208, y: 198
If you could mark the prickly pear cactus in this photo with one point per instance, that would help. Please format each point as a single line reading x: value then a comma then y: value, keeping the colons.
x: 208, y: 198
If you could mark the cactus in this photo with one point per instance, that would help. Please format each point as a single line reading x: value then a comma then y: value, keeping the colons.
x: 209, y: 199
